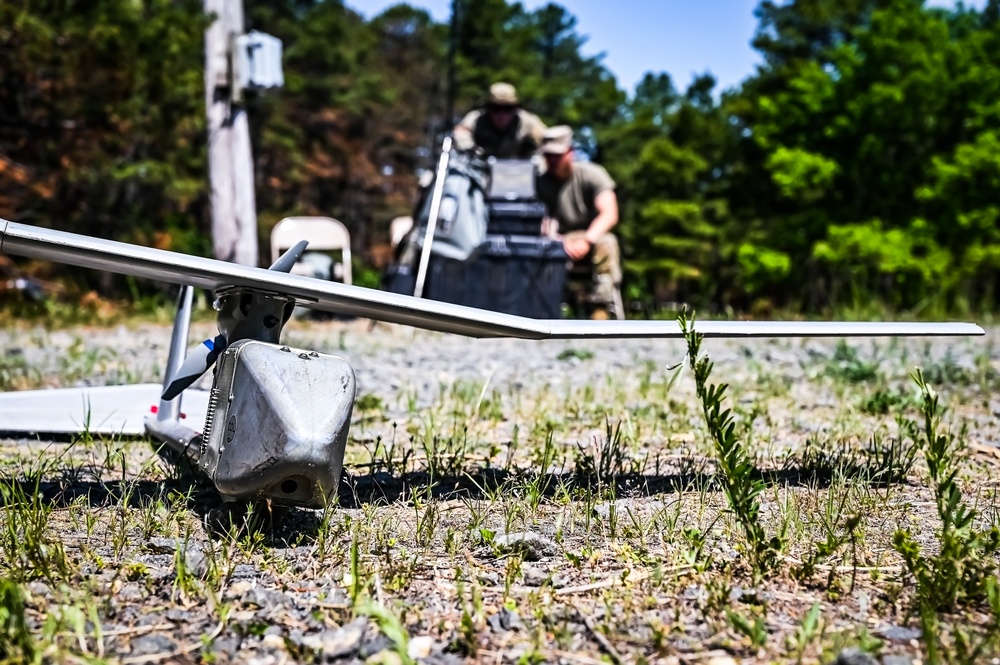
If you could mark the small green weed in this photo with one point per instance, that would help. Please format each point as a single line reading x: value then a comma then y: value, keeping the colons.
x: 16, y: 641
x: 391, y: 627
x: 848, y: 366
x: 30, y: 549
x: 17, y: 374
x: 736, y: 465
x: 600, y: 464
x: 949, y: 371
x: 963, y: 572
x: 755, y: 630
x: 884, y: 461
x: 885, y: 400
x: 579, y: 354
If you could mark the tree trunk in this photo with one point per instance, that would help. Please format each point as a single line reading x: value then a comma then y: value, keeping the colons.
x: 230, y: 160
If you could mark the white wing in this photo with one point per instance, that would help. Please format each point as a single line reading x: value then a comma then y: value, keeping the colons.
x: 107, y: 410
x: 88, y: 252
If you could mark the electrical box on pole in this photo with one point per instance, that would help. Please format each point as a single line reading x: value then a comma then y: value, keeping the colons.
x: 256, y: 63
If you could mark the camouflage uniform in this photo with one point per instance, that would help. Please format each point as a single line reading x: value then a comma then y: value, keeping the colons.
x: 572, y: 203
x: 518, y: 140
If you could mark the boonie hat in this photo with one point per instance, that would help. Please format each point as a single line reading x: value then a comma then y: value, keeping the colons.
x: 557, y: 140
x: 502, y: 94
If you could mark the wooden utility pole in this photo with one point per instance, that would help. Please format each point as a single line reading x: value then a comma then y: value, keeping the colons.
x: 230, y: 160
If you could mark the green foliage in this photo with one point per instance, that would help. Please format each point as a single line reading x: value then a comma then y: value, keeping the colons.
x: 848, y: 366
x: 29, y: 547
x: 755, y: 630
x: 860, y: 161
x: 800, y: 175
x: 107, y: 131
x: 958, y: 574
x: 963, y: 573
x: 884, y: 400
x: 571, y: 353
x: 16, y: 641
x: 736, y: 464
x: 837, y: 538
x: 391, y: 627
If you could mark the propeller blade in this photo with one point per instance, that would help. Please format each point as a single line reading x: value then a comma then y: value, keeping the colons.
x: 198, y: 361
x: 289, y: 258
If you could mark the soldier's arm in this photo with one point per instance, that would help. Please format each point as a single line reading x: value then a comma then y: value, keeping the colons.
x: 463, y: 131
x: 606, y: 203
x: 534, y: 129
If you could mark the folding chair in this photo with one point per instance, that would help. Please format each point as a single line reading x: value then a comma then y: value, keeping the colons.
x: 323, y: 234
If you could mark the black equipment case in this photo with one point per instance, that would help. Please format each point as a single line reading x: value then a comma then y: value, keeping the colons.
x: 511, y: 203
x: 520, y: 275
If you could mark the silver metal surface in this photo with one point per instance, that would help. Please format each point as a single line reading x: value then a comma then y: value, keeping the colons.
x: 278, y: 423
x: 432, y: 217
x: 169, y: 409
x: 243, y: 314
x: 179, y: 437
x: 570, y: 329
x: 85, y: 251
x: 24, y: 240
x: 252, y: 314
x: 287, y: 261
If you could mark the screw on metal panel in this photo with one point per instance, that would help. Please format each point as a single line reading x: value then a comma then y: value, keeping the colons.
x: 314, y: 354
x: 285, y: 348
x: 304, y: 356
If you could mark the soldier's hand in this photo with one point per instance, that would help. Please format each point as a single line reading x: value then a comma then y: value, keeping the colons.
x: 576, y: 247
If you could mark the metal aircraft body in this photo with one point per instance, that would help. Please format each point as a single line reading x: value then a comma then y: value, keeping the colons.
x: 275, y: 422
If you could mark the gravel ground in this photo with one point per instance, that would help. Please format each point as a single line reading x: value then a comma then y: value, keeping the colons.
x: 477, y: 569
x: 390, y: 359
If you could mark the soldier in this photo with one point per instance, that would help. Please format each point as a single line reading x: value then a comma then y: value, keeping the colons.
x: 500, y: 129
x: 580, y: 197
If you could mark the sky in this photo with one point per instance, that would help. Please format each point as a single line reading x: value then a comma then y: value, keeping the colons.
x: 684, y: 38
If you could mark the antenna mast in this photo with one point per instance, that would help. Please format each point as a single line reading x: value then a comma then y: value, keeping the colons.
x: 449, y: 114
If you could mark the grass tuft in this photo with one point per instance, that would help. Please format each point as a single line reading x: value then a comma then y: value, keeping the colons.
x: 736, y: 465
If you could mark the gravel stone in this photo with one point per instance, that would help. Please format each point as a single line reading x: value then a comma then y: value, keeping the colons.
x: 335, y: 643
x: 534, y: 576
x: 162, y: 545
x: 131, y: 591
x: 267, y: 599
x: 39, y: 589
x: 419, y: 647
x: 226, y: 646
x: 376, y: 645
x: 505, y: 620
x: 150, y: 644
x: 178, y: 615
x: 273, y: 642
x: 532, y: 546
x: 855, y: 656
x: 899, y: 634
